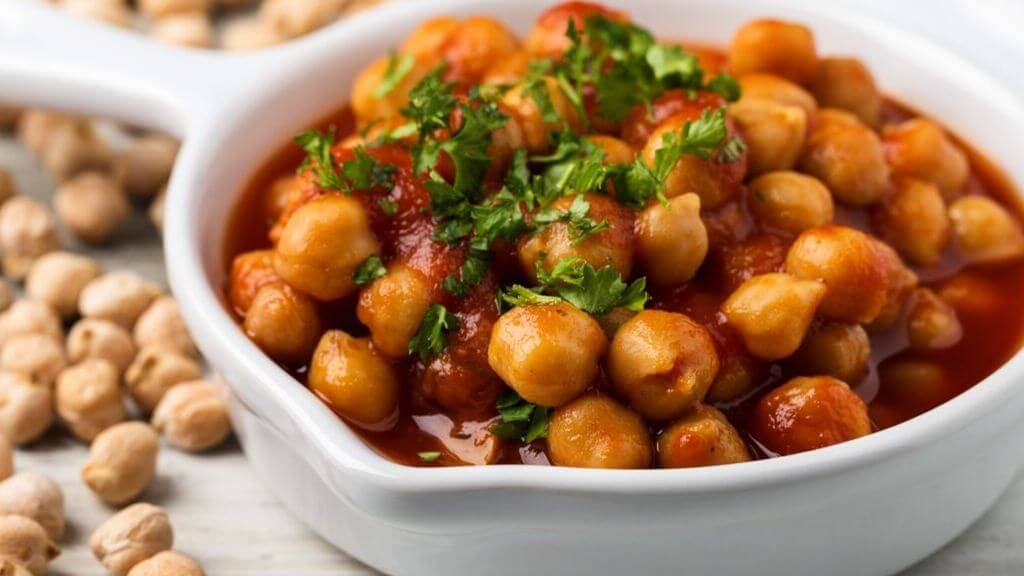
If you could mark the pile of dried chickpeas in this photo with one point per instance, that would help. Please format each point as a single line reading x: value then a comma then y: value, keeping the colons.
x: 105, y: 355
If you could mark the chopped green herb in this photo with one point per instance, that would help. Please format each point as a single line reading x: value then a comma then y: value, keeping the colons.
x: 431, y: 337
x: 360, y: 173
x: 581, y: 226
x: 471, y: 273
x: 371, y: 269
x: 725, y: 86
x: 429, y: 456
x: 672, y: 65
x: 520, y: 420
x: 398, y: 68
x: 732, y: 151
x: 593, y: 290
x: 535, y: 85
x: 388, y: 206
x: 518, y: 295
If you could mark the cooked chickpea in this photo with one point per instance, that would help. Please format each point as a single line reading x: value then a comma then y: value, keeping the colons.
x: 369, y: 105
x: 100, y: 339
x: 354, y: 380
x: 88, y: 398
x: 778, y: 90
x: 145, y: 165
x: 790, y: 201
x: 284, y: 323
x: 809, y: 413
x: 986, y: 231
x: 703, y: 437
x: 913, y: 220
x: 163, y: 325
x: 914, y: 381
x: 191, y: 29
x: 24, y: 542
x: 851, y: 267
x: 847, y: 84
x: 92, y: 206
x: 57, y: 279
x: 596, y: 432
x: 547, y: 38
x: 34, y: 496
x: 38, y: 357
x: 294, y: 19
x: 537, y: 131
x: 671, y: 241
x: 931, y: 323
x: 322, y: 244
x: 772, y: 313
x: 615, y: 151
x: 119, y: 297
x: 72, y: 148
x: 531, y: 344
x: 834, y: 349
x: 6, y: 458
x: 193, y: 416
x: 611, y: 247
x: 662, y: 363
x: 248, y: 34
x: 970, y: 294
x: 474, y: 45
x: 426, y: 40
x: 901, y: 283
x: 167, y: 563
x: 714, y: 181
x: 26, y: 410
x: 774, y: 133
x: 134, y: 534
x: 775, y: 47
x: 392, y: 307
x: 155, y: 9
x: 250, y: 272
x: 920, y: 149
x: 848, y: 157
x: 29, y: 317
x: 156, y: 370
x: 122, y: 461
x: 27, y: 231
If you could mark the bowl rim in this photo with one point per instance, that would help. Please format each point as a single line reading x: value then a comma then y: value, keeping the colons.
x: 342, y: 450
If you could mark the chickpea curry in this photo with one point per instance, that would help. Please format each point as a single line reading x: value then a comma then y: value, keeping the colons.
x: 592, y: 248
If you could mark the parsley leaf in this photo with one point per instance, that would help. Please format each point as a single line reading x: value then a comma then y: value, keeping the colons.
x: 519, y: 295
x: 520, y: 420
x: 388, y: 206
x: 398, y: 68
x: 471, y: 273
x: 431, y: 103
x: 371, y: 269
x: 364, y: 172
x: 725, y: 86
x: 581, y: 226
x: 593, y: 290
x: 673, y: 66
x: 360, y: 173
x: 431, y: 337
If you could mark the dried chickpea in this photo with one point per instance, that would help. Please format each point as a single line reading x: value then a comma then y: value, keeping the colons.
x: 919, y: 148
x: 596, y: 432
x: 985, y: 230
x: 36, y: 127
x: 703, y: 437
x: 294, y: 18
x: 790, y: 201
x: 29, y: 317
x: 27, y: 231
x: 57, y: 279
x: 37, y: 357
x: 671, y: 241
x: 913, y: 219
x: 809, y: 413
x: 775, y: 47
x: 134, y: 534
x: 474, y: 45
x: 92, y: 205
x: 156, y: 209
x: 847, y: 84
x: 774, y: 133
x: 145, y: 165
x: 72, y: 148
x: 156, y: 9
x: 354, y: 380
x: 34, y: 496
x: 156, y: 370
x: 8, y: 189
x: 167, y: 563
x: 322, y: 244
x: 557, y: 242
x: 247, y: 34
x: 850, y: 265
x: 192, y: 29
x: 88, y: 398
x: 778, y: 90
x: 662, y: 363
x: 284, y: 323
x: 834, y: 349
x: 9, y: 568
x: 122, y: 461
x: 772, y: 313
x: 537, y: 131
x: 101, y: 339
x: 369, y: 105
x: 530, y: 345
x: 931, y: 323
x: 6, y: 458
x: 193, y: 416
x: 110, y: 11
x: 848, y: 157
x: 119, y: 297
x: 9, y: 116
x: 24, y: 542
x: 26, y: 410
x: 162, y: 325
x: 392, y: 308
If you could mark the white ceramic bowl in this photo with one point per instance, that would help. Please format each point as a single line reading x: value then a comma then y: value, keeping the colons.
x: 868, y: 507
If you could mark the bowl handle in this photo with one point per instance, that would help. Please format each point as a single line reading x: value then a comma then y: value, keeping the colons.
x: 54, y: 60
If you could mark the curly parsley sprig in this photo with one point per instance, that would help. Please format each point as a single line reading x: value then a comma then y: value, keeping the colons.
x: 594, y: 290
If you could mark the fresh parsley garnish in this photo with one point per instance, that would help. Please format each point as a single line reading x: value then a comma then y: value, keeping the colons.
x: 593, y: 290
x: 362, y: 172
x: 398, y: 68
x: 371, y: 269
x: 388, y: 206
x: 580, y: 225
x: 520, y: 420
x: 432, y: 336
x: 471, y: 273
